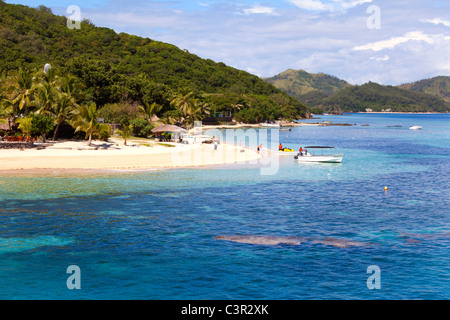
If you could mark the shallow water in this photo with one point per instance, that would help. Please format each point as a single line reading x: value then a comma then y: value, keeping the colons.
x: 151, y: 234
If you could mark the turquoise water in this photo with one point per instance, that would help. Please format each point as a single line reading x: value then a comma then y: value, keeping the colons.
x: 150, y: 234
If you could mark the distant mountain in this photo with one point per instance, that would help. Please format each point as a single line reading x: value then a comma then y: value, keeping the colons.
x: 334, y: 95
x: 309, y: 88
x: 375, y: 97
x: 437, y: 86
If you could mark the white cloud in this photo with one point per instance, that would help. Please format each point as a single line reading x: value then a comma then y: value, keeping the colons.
x: 337, y: 5
x: 260, y: 10
x: 313, y: 5
x: 395, y: 41
x: 437, y: 21
x: 350, y: 4
x: 384, y: 58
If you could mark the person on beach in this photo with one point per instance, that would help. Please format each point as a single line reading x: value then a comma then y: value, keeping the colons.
x: 259, y: 148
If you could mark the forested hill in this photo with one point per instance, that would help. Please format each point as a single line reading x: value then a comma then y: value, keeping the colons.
x: 121, y: 67
x: 322, y: 92
x: 375, y: 97
x: 307, y: 87
x: 437, y: 86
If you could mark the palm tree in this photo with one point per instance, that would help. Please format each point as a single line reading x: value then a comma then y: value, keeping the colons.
x: 21, y: 85
x: 184, y: 102
x: 49, y: 76
x: 46, y: 96
x: 200, y: 110
x: 62, y: 110
x: 25, y: 125
x: 2, y: 85
x: 68, y: 89
x: 71, y: 85
x: 125, y: 133
x: 150, y: 110
x: 85, y: 119
x: 3, y: 100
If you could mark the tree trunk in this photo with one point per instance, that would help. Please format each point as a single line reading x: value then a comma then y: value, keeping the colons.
x: 90, y: 139
x: 56, y: 131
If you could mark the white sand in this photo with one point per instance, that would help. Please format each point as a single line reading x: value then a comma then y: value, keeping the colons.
x: 114, y: 155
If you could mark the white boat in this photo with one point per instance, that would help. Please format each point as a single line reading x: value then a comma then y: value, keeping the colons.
x: 196, y: 138
x: 270, y: 125
x: 415, y: 128
x: 318, y: 155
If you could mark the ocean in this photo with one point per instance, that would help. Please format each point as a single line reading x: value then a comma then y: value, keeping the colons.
x: 152, y: 234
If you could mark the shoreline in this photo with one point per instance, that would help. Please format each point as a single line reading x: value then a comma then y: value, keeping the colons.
x: 397, y: 112
x: 142, y: 155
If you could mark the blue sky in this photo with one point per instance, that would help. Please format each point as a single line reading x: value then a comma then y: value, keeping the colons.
x: 389, y: 42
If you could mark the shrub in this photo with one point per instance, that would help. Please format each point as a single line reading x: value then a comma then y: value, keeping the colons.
x: 104, y: 132
x: 41, y: 125
x: 141, y: 128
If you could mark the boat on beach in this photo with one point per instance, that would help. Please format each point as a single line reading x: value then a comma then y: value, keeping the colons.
x: 318, y: 155
x: 271, y: 124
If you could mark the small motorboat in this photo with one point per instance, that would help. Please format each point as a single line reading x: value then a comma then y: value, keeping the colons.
x: 415, y: 128
x: 271, y: 124
x: 306, y: 156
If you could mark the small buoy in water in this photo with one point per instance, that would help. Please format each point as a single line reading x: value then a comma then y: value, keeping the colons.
x: 385, y: 188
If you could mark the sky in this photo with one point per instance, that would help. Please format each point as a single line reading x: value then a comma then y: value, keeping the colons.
x: 388, y: 42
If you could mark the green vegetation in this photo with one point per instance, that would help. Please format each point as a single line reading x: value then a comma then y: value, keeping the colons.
x: 323, y: 93
x: 384, y: 98
x: 166, y: 145
x: 125, y: 133
x: 307, y: 87
x: 437, y: 86
x: 97, y: 73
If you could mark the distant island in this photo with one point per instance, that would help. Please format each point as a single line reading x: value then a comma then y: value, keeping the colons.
x: 325, y: 93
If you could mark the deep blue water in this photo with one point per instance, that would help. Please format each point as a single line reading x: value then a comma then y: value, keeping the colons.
x: 150, y: 234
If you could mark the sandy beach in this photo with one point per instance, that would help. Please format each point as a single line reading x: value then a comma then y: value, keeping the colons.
x: 140, y: 154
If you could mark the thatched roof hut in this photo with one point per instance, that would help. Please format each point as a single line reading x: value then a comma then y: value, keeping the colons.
x: 169, y: 131
x: 168, y: 128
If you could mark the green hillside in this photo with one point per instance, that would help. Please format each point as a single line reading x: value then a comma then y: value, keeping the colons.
x: 379, y: 98
x: 116, y: 68
x: 307, y: 87
x: 330, y: 94
x: 437, y: 86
